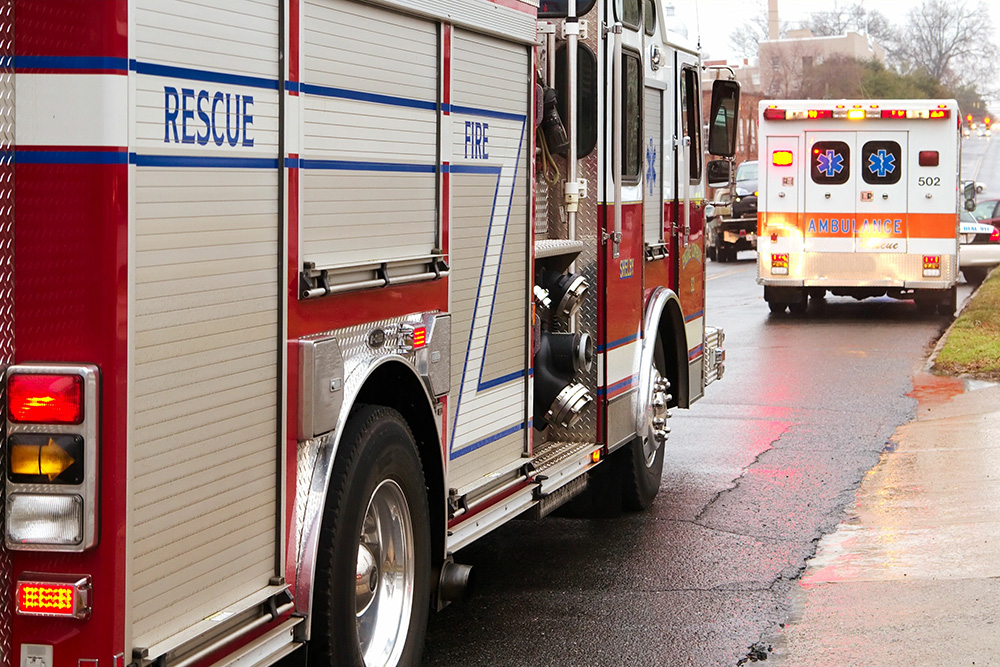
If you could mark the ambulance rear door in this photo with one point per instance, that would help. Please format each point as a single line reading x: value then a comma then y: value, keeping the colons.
x: 881, y: 222
x: 830, y: 192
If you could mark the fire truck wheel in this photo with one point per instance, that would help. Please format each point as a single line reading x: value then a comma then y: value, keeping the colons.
x: 642, y: 465
x: 372, y: 592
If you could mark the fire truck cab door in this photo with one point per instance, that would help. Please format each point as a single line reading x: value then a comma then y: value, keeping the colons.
x: 830, y: 191
x: 881, y: 224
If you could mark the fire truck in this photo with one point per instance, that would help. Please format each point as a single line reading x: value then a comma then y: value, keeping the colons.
x: 301, y: 297
x: 859, y: 198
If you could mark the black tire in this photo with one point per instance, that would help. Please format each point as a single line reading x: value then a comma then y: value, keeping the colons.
x: 377, y: 468
x: 777, y: 308
x: 949, y: 304
x: 975, y: 275
x: 641, y: 478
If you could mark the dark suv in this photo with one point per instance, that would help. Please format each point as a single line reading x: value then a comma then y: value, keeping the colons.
x: 727, y: 235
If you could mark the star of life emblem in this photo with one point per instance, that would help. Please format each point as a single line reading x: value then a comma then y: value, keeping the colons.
x: 651, y: 165
x: 831, y: 163
x: 881, y: 163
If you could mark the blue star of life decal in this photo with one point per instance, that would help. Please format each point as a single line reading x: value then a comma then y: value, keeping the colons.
x: 881, y: 163
x: 831, y: 163
x: 651, y: 168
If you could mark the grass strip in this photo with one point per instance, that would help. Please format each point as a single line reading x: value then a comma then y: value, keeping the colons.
x: 973, y: 344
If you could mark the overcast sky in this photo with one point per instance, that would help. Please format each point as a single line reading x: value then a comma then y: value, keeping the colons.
x: 718, y: 18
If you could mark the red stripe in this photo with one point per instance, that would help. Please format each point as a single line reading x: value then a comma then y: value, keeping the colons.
x: 293, y: 40
x: 446, y: 68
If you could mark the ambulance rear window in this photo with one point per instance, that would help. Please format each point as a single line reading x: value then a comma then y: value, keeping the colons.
x: 830, y: 162
x: 881, y: 162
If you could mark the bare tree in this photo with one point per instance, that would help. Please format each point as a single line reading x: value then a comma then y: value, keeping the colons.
x: 952, y: 40
x: 854, y: 18
x: 746, y: 38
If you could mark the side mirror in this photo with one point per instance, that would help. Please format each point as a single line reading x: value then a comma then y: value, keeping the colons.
x: 722, y: 122
x: 969, y: 193
x: 718, y: 173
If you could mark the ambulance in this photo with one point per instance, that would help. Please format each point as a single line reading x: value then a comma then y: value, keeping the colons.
x: 858, y: 198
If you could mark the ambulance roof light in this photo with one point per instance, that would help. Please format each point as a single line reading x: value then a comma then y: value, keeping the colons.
x: 771, y: 113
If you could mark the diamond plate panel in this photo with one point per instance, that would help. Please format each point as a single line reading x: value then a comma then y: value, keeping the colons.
x: 6, y: 283
x: 585, y: 430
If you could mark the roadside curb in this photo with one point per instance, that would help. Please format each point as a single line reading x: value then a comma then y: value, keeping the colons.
x: 929, y: 364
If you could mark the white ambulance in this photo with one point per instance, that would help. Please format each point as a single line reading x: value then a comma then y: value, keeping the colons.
x: 858, y: 198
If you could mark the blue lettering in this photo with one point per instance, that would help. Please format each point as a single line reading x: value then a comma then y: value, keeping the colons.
x: 203, y: 115
x: 216, y: 137
x: 186, y: 114
x: 834, y: 226
x: 468, y: 137
x: 898, y: 226
x: 486, y: 140
x: 170, y: 117
x: 812, y: 226
x: 865, y: 225
x: 247, y: 120
x: 824, y: 226
x: 232, y: 123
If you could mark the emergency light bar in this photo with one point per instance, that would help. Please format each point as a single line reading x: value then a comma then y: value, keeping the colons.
x: 854, y: 113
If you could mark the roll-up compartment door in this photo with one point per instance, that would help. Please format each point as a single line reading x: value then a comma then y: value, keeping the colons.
x: 204, y: 318
x: 488, y: 151
x: 369, y: 96
x: 653, y: 174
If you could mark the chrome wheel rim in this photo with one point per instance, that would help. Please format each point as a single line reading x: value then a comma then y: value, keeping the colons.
x: 384, y: 576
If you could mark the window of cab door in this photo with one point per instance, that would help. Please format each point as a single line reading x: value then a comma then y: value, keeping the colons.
x: 631, y: 117
x: 631, y: 14
x: 691, y: 120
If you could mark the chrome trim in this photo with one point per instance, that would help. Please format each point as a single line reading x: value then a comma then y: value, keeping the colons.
x: 648, y: 375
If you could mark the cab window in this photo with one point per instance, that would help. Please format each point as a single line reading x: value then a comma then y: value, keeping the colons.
x: 632, y: 13
x: 691, y: 120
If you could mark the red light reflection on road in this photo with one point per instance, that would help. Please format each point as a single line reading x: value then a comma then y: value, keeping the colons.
x: 931, y: 390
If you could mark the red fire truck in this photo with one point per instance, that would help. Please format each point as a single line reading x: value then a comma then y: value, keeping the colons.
x: 300, y: 297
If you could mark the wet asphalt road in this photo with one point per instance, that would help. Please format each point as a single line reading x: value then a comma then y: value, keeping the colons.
x: 755, y: 473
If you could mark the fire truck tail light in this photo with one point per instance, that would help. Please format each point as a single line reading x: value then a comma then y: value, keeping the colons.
x: 929, y: 158
x: 44, y: 520
x: 781, y: 158
x: 419, y: 338
x: 45, y: 399
x: 53, y: 595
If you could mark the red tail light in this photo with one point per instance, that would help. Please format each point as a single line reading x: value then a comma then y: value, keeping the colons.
x: 45, y: 399
x: 929, y: 158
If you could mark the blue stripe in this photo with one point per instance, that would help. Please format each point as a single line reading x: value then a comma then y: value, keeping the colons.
x: 482, y: 443
x: 203, y: 75
x: 351, y: 165
x: 70, y: 62
x: 486, y: 113
x: 603, y: 391
x: 70, y: 157
x: 292, y: 162
x: 695, y: 352
x: 203, y: 161
x: 293, y: 86
x: 357, y: 95
x: 617, y: 343
x: 474, y: 169
x: 700, y: 313
x: 503, y: 379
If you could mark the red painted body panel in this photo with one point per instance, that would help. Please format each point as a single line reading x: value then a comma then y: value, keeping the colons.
x: 71, y: 251
x: 70, y: 28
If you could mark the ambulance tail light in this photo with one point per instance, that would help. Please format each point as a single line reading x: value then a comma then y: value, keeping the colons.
x: 932, y: 266
x: 50, y: 462
x: 781, y: 158
x: 929, y: 158
x: 779, y: 264
x: 54, y: 595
